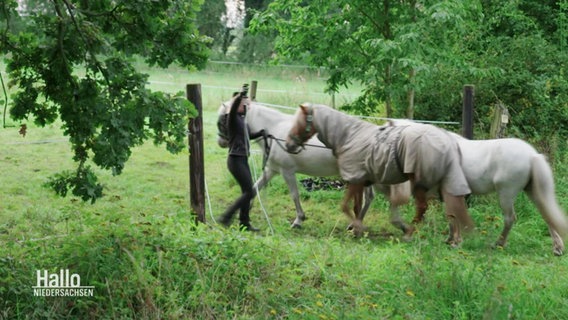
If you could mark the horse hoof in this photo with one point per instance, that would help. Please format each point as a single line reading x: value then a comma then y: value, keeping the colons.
x: 350, y: 227
x: 296, y: 226
x: 453, y: 243
x: 558, y: 252
x: 499, y: 245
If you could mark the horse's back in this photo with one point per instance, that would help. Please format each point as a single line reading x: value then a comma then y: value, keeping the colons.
x: 495, y: 164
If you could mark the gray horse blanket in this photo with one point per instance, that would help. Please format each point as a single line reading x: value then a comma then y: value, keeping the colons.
x: 367, y: 153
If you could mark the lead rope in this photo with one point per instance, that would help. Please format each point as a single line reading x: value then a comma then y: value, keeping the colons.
x: 209, y: 202
x: 255, y: 176
x: 259, y: 200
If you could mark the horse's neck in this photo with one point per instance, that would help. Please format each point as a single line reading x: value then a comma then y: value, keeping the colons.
x: 335, y: 127
x: 263, y: 118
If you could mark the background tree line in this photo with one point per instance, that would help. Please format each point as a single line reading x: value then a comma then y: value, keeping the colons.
x: 413, y: 57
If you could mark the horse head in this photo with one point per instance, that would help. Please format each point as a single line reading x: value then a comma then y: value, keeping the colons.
x: 302, y: 129
x: 222, y: 130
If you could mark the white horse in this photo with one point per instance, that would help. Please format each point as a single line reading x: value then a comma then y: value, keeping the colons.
x: 509, y: 166
x: 314, y: 160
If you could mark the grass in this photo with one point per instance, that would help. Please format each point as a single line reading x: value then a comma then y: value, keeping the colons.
x: 139, y: 248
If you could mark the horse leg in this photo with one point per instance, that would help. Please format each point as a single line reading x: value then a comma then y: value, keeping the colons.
x: 366, y: 197
x: 421, y: 203
x: 420, y: 199
x: 355, y: 192
x: 458, y: 217
x: 506, y: 201
x: 290, y: 179
x: 399, y: 194
x: 397, y: 221
x: 358, y: 204
x: 267, y: 175
x: 557, y: 242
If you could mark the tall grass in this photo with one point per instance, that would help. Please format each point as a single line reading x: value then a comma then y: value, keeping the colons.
x: 139, y: 248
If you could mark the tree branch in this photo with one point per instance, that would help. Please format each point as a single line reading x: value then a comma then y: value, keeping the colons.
x: 85, y: 40
x: 365, y: 13
x: 4, y: 41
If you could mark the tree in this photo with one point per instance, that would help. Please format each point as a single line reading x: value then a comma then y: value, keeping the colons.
x: 414, y: 56
x: 73, y: 60
x: 388, y: 46
x: 255, y: 48
x: 210, y: 23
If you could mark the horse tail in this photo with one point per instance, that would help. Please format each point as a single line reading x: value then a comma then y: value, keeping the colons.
x: 543, y: 194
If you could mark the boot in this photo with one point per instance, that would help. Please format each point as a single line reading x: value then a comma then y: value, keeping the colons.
x: 247, y: 227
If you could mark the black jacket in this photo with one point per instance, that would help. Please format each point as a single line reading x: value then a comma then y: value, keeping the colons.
x: 237, y: 129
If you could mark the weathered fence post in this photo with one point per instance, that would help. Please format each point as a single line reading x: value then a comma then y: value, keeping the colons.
x: 467, y: 111
x: 253, y: 86
x: 333, y: 99
x: 196, y: 166
x: 500, y: 121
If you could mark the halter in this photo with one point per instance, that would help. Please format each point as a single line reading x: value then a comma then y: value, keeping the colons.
x: 303, y: 136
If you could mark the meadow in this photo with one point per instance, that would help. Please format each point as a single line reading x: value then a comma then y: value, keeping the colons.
x: 139, y: 248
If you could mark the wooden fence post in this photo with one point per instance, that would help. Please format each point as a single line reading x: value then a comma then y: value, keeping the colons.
x: 467, y: 111
x: 500, y: 121
x: 196, y: 164
x: 253, y: 86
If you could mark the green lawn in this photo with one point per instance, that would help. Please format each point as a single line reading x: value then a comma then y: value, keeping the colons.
x: 139, y: 248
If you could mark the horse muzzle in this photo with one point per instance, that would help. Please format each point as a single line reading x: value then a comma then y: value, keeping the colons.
x: 222, y: 142
x: 293, y: 144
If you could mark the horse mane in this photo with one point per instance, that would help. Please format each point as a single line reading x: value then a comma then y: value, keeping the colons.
x: 331, y: 120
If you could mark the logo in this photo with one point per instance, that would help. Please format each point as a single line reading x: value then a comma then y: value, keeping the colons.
x: 62, y: 284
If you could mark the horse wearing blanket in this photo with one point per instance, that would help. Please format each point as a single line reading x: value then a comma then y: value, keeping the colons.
x: 368, y: 154
x: 508, y: 167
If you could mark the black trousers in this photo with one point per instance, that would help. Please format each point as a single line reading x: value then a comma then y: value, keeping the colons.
x: 239, y: 168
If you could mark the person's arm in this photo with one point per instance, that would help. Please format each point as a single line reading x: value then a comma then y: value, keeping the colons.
x: 236, y: 103
x: 233, y: 111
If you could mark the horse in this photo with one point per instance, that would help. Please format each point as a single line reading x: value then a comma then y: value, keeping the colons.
x: 508, y: 167
x: 425, y: 155
x: 314, y: 160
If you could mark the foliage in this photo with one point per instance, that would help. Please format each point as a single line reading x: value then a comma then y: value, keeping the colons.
x: 73, y: 60
x: 82, y: 183
x: 255, y: 48
x: 380, y: 44
x: 414, y: 57
x: 210, y: 23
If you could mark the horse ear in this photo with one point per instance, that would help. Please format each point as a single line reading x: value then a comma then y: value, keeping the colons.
x: 305, y: 107
x: 390, y: 123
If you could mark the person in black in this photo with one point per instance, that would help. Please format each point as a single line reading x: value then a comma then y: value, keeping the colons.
x: 237, y: 161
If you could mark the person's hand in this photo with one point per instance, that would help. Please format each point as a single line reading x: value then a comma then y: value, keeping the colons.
x: 244, y: 90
